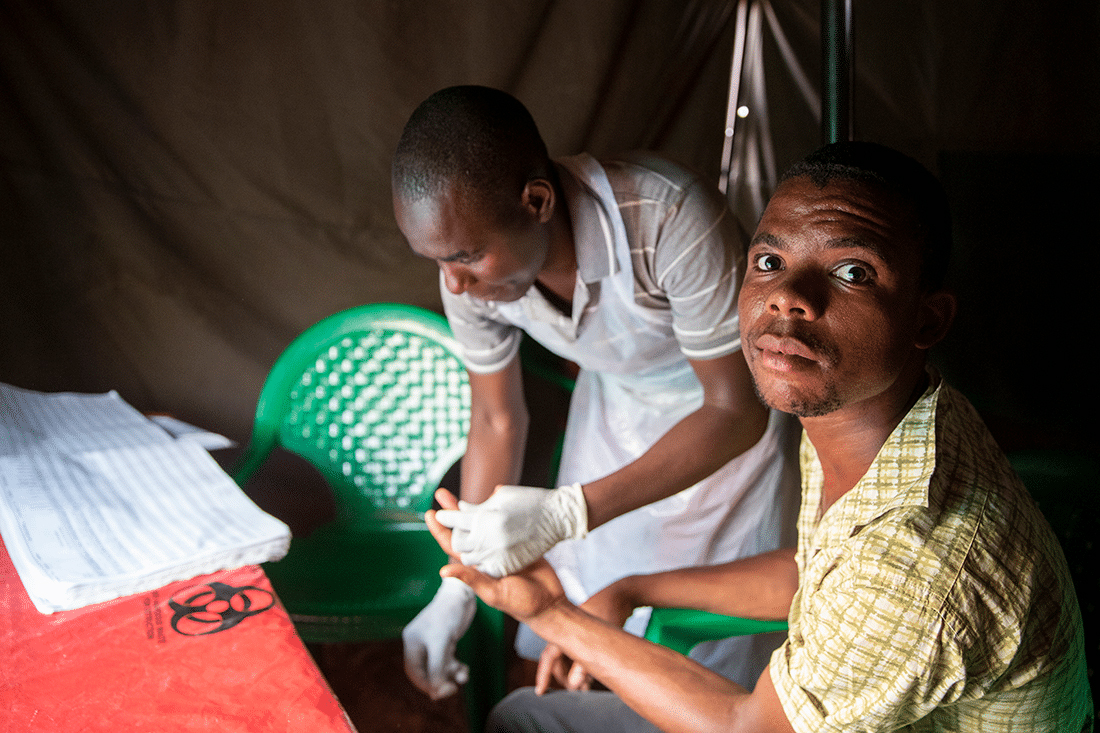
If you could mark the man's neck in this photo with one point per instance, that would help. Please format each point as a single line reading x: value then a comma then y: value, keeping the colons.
x: 848, y: 440
x: 558, y: 277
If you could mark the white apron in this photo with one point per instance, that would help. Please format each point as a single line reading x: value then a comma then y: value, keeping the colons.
x: 634, y: 385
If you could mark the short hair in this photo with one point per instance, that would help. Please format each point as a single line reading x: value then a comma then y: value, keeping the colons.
x: 885, y: 167
x: 480, y: 138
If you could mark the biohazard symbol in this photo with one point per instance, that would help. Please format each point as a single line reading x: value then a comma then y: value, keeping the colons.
x: 216, y: 607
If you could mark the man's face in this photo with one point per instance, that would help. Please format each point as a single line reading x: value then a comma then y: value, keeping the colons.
x: 830, y: 307
x: 476, y: 254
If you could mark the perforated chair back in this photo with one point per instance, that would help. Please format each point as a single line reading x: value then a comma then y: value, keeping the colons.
x: 376, y: 398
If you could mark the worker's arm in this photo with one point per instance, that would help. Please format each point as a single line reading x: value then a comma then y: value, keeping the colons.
x: 730, y: 421
x: 517, y: 524
x: 498, y: 432
x: 672, y: 691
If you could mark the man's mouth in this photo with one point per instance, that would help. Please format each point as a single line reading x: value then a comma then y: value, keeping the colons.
x: 786, y: 346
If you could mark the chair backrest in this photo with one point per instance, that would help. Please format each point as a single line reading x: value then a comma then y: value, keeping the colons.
x: 1063, y: 484
x: 377, y: 399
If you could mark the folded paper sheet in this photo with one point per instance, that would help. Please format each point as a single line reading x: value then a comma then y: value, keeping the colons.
x: 98, y: 502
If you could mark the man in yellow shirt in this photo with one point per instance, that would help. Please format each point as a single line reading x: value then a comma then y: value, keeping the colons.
x: 926, y: 593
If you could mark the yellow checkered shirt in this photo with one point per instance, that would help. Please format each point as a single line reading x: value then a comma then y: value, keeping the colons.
x: 933, y: 596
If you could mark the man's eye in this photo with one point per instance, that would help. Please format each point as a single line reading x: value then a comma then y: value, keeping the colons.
x: 465, y: 258
x: 768, y: 263
x: 853, y: 273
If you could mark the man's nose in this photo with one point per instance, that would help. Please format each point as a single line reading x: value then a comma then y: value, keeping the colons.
x: 456, y: 278
x: 798, y: 295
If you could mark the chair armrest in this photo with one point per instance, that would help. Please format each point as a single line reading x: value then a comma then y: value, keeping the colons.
x: 681, y: 629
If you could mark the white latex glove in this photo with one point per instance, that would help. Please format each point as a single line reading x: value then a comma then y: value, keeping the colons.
x: 430, y: 640
x: 515, y: 526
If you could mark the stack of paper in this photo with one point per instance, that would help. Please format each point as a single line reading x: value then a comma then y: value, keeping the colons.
x: 98, y: 502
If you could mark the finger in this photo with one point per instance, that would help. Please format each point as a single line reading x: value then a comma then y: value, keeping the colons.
x: 440, y: 678
x: 468, y: 575
x: 446, y: 499
x: 426, y: 679
x: 458, y: 672
x: 454, y: 518
x: 579, y: 678
x: 487, y: 588
x: 416, y: 665
x: 545, y: 671
x: 461, y: 541
x: 489, y: 563
x: 442, y: 690
x: 441, y: 534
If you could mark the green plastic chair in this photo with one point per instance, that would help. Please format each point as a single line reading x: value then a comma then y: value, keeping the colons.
x: 376, y: 399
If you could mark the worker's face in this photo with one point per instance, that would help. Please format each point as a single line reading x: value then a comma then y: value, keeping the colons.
x: 476, y: 253
x: 831, y: 309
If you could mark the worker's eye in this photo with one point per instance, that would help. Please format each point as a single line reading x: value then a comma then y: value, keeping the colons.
x: 464, y: 257
x: 854, y: 273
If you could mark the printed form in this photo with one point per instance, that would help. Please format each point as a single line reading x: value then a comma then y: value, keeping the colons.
x: 98, y: 502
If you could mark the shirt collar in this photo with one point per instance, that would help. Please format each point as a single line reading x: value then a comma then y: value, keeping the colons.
x: 581, y: 176
x: 901, y: 472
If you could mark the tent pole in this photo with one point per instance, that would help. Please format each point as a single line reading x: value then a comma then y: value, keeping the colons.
x: 837, y: 70
x: 736, y: 67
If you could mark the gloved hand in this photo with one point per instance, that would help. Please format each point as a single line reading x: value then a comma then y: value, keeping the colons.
x: 515, y: 526
x: 430, y: 640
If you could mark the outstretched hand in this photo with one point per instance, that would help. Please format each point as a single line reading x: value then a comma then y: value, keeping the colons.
x: 525, y: 595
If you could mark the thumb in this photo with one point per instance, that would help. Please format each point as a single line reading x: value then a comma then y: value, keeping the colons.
x: 469, y: 575
x: 483, y: 585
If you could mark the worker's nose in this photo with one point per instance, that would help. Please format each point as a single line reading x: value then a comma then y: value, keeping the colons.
x: 456, y: 278
x: 798, y: 295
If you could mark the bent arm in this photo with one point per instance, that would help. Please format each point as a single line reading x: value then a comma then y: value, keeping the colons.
x: 674, y: 692
x: 498, y: 432
x: 730, y: 421
x: 670, y: 690
x: 759, y: 587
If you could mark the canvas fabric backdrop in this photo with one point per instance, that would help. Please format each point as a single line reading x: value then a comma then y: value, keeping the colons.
x: 186, y: 186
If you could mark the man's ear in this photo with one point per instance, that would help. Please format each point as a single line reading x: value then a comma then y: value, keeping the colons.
x: 539, y: 199
x: 937, y: 315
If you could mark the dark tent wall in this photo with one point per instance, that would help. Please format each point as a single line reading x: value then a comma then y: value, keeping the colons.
x: 188, y: 185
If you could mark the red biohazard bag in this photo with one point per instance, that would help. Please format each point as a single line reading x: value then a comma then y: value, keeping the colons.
x: 215, y: 653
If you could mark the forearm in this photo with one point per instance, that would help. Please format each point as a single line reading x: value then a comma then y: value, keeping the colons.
x: 498, y: 433
x: 691, y: 450
x: 761, y: 587
x: 494, y: 457
x: 669, y: 689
